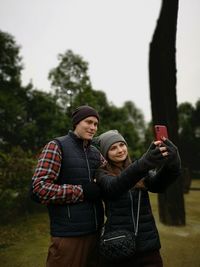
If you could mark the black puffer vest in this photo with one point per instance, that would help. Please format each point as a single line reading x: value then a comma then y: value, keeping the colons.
x: 120, y: 214
x: 78, y: 167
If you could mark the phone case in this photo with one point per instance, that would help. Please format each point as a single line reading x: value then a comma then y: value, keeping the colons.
x: 160, y: 131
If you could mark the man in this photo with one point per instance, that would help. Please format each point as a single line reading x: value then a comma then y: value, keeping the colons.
x: 64, y: 181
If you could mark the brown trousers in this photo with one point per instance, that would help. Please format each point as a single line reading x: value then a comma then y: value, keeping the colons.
x: 73, y: 251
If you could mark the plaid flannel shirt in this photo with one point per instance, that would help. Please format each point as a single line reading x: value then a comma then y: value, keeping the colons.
x: 47, y: 172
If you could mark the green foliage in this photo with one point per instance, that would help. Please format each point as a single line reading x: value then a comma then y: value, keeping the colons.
x: 189, y: 134
x: 10, y: 61
x: 69, y: 77
x: 94, y: 98
x: 45, y: 120
x: 11, y: 96
x: 135, y: 128
x: 30, y: 118
x: 12, y: 114
x: 16, y: 170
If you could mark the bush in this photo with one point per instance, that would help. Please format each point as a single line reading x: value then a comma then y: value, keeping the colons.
x: 16, y: 170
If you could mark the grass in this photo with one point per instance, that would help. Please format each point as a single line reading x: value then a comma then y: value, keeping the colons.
x: 180, y: 244
x: 24, y: 243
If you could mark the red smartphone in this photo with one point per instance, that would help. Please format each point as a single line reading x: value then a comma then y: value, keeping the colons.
x: 160, y: 131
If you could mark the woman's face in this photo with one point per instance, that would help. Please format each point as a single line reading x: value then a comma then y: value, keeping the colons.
x: 118, y: 152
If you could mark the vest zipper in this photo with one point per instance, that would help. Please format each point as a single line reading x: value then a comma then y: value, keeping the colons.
x: 68, y: 212
x: 94, y: 207
x: 88, y: 166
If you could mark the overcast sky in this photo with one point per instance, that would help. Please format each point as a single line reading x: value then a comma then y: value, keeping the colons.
x: 113, y: 36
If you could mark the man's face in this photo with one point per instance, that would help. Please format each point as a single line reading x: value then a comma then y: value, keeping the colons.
x: 86, y: 128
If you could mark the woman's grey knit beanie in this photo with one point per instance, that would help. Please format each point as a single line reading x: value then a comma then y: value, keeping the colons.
x: 107, y: 139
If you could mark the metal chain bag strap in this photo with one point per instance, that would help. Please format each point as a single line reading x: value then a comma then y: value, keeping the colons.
x: 120, y: 244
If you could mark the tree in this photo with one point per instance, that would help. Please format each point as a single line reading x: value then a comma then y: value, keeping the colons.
x: 134, y: 129
x: 69, y: 78
x: 162, y: 69
x: 196, y: 123
x: 10, y: 61
x: 189, y: 132
x: 11, y: 109
x: 45, y: 120
x: 91, y: 97
x: 28, y: 117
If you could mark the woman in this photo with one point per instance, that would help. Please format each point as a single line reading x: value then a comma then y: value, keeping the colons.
x: 121, y: 181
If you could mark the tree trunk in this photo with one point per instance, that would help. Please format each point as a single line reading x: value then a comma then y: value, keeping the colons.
x: 162, y: 74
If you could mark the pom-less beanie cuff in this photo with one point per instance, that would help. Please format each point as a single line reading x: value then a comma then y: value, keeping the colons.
x: 83, y: 112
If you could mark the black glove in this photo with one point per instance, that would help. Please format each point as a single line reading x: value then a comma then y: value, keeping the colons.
x: 91, y: 191
x: 152, y: 159
x: 173, y: 158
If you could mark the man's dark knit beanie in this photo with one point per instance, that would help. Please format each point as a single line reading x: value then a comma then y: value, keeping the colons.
x: 83, y: 112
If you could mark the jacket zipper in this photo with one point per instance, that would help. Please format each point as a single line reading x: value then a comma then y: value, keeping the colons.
x: 138, y: 213
x: 95, y: 211
x: 132, y: 213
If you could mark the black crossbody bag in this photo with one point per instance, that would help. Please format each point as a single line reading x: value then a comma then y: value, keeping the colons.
x: 120, y: 244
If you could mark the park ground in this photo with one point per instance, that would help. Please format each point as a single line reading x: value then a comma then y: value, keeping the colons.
x: 24, y: 243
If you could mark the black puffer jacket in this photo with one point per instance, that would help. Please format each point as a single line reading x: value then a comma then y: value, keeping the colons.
x: 120, y: 216
x: 121, y: 203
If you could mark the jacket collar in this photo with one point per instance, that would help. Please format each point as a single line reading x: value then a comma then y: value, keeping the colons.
x: 78, y: 139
